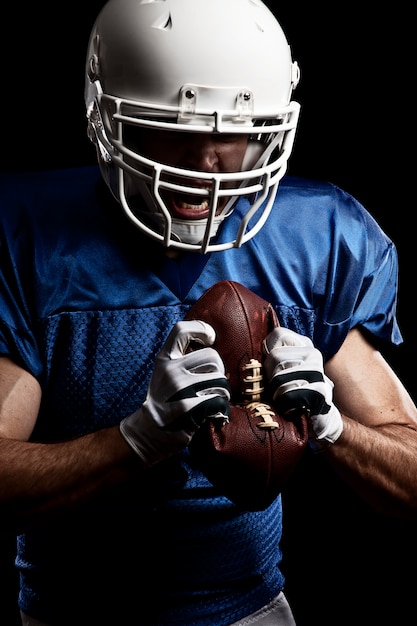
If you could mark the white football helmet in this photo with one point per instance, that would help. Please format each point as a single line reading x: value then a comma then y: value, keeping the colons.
x: 197, y: 66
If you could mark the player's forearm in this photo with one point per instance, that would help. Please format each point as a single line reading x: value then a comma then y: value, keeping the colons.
x: 380, y: 464
x: 40, y: 481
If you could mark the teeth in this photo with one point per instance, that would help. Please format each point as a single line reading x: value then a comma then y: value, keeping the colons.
x: 186, y: 205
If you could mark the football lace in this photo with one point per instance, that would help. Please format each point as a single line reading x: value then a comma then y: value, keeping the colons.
x: 254, y: 389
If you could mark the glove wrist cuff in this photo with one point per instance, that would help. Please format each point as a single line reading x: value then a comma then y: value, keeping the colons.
x: 129, y: 434
x: 328, y: 437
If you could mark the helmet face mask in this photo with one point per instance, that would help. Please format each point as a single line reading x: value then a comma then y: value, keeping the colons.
x: 128, y: 114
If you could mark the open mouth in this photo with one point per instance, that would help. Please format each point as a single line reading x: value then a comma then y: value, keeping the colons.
x: 187, y: 206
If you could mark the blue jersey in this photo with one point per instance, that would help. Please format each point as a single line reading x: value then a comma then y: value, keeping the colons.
x: 86, y: 302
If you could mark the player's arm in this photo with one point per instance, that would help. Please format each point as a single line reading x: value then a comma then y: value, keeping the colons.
x: 377, y: 450
x: 40, y: 480
x: 360, y: 415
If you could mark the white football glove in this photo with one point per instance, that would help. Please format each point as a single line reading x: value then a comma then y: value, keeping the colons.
x: 295, y: 370
x: 184, y: 390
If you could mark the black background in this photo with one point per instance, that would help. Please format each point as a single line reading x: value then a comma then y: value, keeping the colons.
x: 344, y: 564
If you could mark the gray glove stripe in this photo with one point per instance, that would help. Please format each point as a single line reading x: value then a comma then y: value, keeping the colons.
x: 192, y: 390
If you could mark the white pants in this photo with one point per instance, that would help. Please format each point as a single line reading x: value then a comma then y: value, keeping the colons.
x: 276, y: 613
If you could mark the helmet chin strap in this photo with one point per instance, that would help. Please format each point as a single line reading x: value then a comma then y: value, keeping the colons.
x: 193, y: 231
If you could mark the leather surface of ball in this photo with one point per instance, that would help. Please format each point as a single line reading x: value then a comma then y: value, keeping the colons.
x: 250, y: 457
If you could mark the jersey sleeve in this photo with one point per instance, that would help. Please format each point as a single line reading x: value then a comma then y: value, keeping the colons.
x: 17, y: 285
x: 362, y: 277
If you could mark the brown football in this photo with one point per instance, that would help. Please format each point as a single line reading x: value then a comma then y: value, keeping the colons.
x: 250, y: 457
